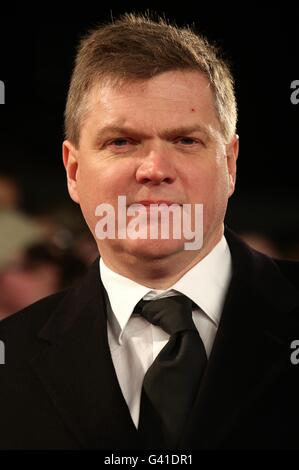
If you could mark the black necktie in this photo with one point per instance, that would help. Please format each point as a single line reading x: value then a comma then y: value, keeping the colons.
x: 171, y: 383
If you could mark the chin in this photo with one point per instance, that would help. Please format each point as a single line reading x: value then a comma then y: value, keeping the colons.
x: 154, y: 249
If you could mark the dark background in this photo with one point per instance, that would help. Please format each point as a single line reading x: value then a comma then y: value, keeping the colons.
x: 36, y: 56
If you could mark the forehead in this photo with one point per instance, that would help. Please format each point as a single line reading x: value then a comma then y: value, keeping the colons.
x: 172, y: 96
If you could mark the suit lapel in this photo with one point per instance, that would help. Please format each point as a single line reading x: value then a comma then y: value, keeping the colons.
x: 250, y: 349
x: 77, y: 372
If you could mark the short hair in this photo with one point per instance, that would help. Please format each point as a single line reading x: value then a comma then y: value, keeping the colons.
x: 137, y: 47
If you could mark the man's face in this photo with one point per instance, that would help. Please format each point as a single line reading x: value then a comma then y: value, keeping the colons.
x: 155, y: 140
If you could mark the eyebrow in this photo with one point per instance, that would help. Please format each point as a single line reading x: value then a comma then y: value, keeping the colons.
x: 167, y: 134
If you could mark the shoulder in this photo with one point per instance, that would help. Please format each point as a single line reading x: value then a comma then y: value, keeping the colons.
x: 61, y: 308
x: 276, y: 279
x: 30, y: 319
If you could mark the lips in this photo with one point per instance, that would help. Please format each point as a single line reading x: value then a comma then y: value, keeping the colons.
x: 159, y: 201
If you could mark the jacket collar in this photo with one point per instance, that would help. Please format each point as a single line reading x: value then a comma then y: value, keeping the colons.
x: 251, y: 346
x: 76, y: 369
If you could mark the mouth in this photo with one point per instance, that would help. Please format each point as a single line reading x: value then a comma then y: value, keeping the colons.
x: 148, y: 202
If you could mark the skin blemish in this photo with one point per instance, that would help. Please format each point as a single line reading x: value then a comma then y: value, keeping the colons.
x: 192, y: 109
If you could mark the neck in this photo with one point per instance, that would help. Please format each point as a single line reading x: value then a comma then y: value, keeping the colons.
x: 159, y: 273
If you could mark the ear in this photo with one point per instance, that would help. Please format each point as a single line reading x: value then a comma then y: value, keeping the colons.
x: 70, y: 161
x: 232, y: 151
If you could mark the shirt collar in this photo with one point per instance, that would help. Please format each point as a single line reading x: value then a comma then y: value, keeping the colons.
x: 123, y: 294
x: 205, y: 283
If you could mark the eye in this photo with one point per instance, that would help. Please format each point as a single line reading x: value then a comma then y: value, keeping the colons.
x: 187, y: 140
x: 120, y: 142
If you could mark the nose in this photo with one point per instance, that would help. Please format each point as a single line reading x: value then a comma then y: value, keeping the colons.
x: 156, y: 168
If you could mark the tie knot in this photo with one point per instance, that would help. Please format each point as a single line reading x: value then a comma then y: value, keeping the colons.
x: 173, y: 314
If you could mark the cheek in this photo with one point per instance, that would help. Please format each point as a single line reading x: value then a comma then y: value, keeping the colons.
x: 101, y: 185
x: 206, y: 183
x: 210, y: 188
x: 91, y: 184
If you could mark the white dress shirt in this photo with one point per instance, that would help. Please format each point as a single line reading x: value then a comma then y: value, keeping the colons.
x: 135, y: 343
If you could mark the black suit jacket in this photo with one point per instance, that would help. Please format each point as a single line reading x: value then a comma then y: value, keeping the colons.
x: 59, y: 390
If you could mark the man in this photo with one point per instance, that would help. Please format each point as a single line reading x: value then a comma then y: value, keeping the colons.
x: 151, y: 116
